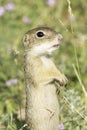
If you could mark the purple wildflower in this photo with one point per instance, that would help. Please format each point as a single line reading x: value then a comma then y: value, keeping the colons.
x: 26, y: 20
x: 11, y: 81
x: 2, y: 10
x: 51, y: 2
x: 10, y: 6
x: 61, y: 127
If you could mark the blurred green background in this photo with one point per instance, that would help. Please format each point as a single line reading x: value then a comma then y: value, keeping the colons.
x: 70, y: 19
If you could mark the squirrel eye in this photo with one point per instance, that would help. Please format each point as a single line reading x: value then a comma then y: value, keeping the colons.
x: 40, y: 34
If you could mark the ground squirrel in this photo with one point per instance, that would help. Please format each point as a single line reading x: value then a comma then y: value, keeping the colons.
x: 42, y: 106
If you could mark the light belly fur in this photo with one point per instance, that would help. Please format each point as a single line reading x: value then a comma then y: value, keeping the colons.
x: 43, y: 108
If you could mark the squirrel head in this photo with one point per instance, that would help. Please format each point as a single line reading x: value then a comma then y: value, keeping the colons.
x: 41, y: 41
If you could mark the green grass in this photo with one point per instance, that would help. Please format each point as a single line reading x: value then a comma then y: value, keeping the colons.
x: 73, y: 51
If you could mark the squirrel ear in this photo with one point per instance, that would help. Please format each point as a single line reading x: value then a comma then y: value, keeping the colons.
x: 26, y: 39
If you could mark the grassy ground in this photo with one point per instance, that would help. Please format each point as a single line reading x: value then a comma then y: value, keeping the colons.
x: 16, y: 18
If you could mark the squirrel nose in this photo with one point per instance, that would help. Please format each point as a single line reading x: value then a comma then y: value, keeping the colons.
x: 60, y: 37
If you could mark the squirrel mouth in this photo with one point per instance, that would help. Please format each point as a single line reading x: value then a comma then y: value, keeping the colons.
x: 53, y: 48
x: 56, y: 45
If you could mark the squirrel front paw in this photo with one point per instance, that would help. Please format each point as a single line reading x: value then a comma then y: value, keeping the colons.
x: 61, y: 80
